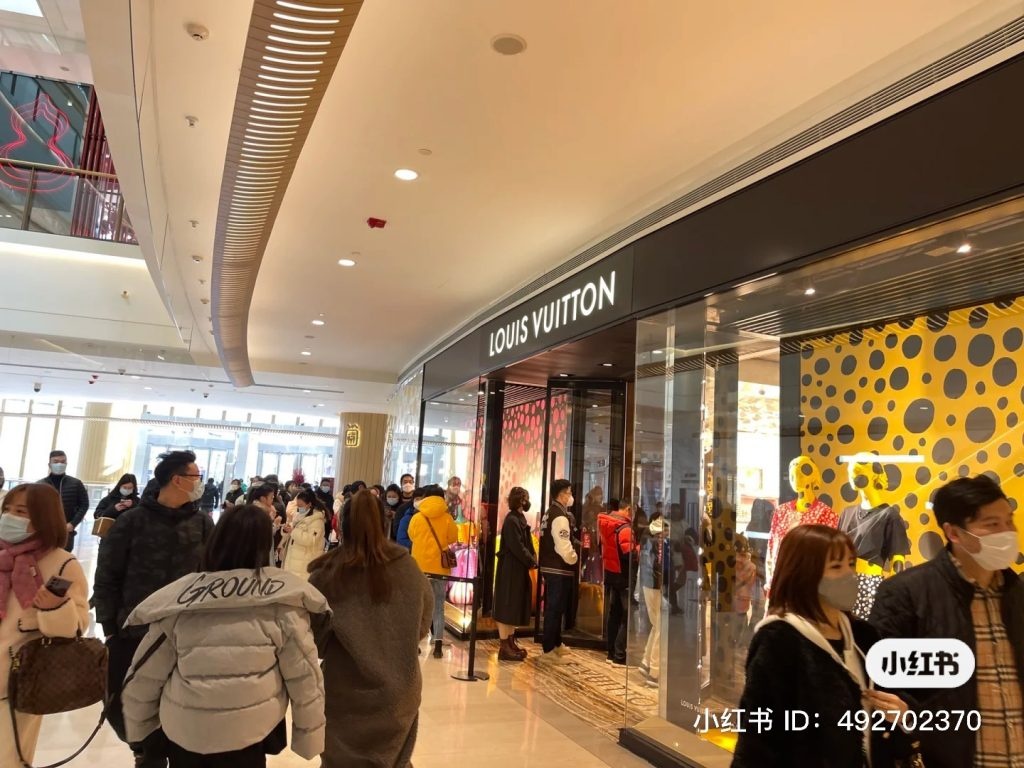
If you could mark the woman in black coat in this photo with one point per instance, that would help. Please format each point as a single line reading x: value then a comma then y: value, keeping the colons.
x: 807, y: 659
x: 513, y: 588
x: 123, y: 496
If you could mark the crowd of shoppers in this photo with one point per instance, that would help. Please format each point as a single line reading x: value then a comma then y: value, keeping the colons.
x: 221, y: 629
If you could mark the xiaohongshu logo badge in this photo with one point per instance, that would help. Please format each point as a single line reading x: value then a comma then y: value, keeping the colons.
x: 920, y: 663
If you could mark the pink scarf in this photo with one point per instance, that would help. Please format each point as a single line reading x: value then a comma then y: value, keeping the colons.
x: 18, y: 570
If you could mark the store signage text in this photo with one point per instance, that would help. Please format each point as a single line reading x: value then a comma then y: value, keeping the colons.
x: 594, y: 296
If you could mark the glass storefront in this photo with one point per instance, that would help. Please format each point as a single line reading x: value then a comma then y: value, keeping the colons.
x: 843, y: 393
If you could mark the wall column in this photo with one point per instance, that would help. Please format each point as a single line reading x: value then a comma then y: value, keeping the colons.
x: 92, y: 451
x: 360, y: 450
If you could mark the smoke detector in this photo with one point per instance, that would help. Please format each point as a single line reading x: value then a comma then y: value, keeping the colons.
x: 197, y: 32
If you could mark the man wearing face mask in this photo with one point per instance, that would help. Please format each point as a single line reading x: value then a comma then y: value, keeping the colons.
x: 968, y: 592
x: 149, y: 546
x: 558, y: 558
x: 73, y: 495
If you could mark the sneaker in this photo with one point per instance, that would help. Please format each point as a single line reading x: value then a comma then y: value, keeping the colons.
x: 562, y: 650
x: 553, y: 657
x: 616, y: 662
x: 651, y: 682
x: 645, y: 668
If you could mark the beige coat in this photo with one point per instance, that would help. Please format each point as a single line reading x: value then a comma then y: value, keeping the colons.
x: 23, y: 624
x: 238, y: 650
x: 304, y: 544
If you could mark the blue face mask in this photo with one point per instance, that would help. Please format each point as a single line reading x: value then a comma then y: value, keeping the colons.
x: 13, y: 530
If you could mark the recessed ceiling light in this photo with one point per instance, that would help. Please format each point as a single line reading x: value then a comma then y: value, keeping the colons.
x: 147, y: 388
x: 306, y: 353
x: 809, y: 292
x: 607, y: 365
x: 659, y: 352
x: 319, y: 405
x: 965, y: 248
x: 318, y: 322
x: 594, y: 405
x: 160, y: 357
x: 563, y: 375
x: 508, y: 44
x: 306, y: 391
x: 480, y: 392
x: 136, y: 377
x: 346, y: 263
x: 406, y: 174
x: 197, y: 258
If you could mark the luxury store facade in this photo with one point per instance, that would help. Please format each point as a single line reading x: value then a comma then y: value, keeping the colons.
x: 839, y: 338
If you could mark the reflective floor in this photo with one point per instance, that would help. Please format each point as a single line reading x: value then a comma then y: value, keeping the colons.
x: 504, y: 721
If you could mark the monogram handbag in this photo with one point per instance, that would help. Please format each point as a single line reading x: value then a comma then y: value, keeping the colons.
x: 448, y: 558
x: 50, y: 675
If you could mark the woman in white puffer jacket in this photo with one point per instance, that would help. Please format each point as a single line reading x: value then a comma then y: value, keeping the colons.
x: 233, y: 648
x: 304, y: 535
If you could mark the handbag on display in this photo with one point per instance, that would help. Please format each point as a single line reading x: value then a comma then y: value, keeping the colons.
x: 448, y: 558
x: 50, y: 675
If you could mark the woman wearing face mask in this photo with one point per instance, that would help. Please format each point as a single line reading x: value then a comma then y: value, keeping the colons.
x: 124, y: 495
x: 33, y: 532
x: 392, y: 499
x: 808, y: 655
x: 235, y: 492
x: 413, y: 508
x: 304, y: 535
x: 513, y: 587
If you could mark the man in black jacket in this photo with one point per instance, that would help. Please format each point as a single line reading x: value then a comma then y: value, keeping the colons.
x: 149, y: 546
x: 558, y: 558
x: 73, y: 495
x: 967, y: 592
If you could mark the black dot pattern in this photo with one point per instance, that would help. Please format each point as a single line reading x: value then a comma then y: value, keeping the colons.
x: 945, y: 386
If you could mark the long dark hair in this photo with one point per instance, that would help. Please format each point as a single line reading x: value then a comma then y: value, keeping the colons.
x: 804, y: 553
x: 364, y: 549
x: 242, y: 538
x: 125, y: 479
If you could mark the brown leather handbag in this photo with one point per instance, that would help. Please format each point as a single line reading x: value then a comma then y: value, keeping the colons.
x: 51, y: 675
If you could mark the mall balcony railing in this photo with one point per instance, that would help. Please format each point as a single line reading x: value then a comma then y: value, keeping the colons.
x: 63, y: 201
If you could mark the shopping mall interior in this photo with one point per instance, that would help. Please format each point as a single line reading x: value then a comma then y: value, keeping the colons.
x: 697, y: 258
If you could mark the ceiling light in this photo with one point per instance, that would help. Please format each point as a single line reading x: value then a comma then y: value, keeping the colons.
x: 965, y: 248
x: 147, y: 388
x: 274, y: 49
x: 607, y: 365
x: 310, y: 8
x: 508, y: 44
x: 480, y: 392
x: 197, y: 258
x: 318, y: 322
x: 293, y: 62
x: 594, y: 405
x: 658, y: 352
x: 406, y: 174
x: 306, y: 353
x: 563, y: 375
x: 304, y: 20
x: 292, y: 41
x: 809, y: 292
x: 346, y: 263
x: 136, y: 377
x: 319, y: 405
x: 160, y: 357
x: 306, y: 391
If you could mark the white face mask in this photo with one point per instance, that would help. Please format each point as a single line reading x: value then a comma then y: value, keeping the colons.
x: 127, y: 490
x: 58, y: 468
x: 407, y: 488
x: 13, y: 529
x: 301, y: 511
x: 197, y: 491
x: 998, y: 550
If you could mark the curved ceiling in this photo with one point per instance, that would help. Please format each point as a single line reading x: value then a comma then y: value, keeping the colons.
x: 523, y: 160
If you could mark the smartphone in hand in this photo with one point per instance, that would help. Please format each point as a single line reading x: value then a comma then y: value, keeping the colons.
x: 58, y: 586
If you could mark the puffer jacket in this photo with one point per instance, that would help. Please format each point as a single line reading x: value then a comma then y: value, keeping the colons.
x: 148, y: 547
x: 433, y: 516
x: 238, y: 647
x: 304, y: 544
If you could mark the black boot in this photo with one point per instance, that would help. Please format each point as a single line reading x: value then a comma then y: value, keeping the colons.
x: 438, y: 653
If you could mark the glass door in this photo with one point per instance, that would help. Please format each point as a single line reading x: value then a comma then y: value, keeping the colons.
x: 585, y: 444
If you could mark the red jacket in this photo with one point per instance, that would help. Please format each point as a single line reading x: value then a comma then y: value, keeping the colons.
x: 616, y: 540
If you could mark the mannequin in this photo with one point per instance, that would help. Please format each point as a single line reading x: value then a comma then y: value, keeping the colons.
x: 876, y: 527
x: 805, y: 509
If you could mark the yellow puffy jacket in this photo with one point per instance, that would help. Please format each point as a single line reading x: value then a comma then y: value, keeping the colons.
x: 434, y: 515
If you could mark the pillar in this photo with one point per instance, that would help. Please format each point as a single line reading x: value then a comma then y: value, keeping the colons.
x: 360, y: 450
x: 92, y: 451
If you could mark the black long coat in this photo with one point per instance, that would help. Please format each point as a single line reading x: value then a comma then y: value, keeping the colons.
x: 512, y: 584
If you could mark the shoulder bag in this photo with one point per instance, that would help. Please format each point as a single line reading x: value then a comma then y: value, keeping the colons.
x: 51, y: 675
x: 448, y: 559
